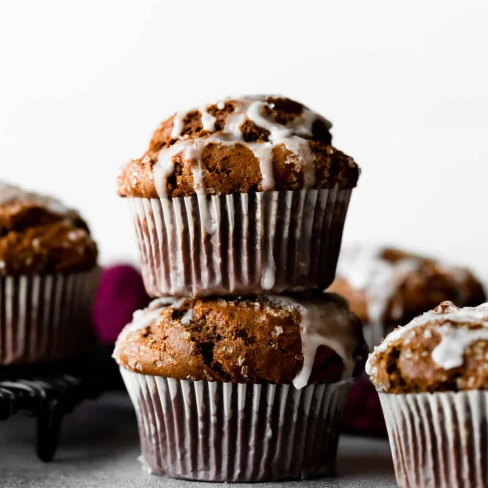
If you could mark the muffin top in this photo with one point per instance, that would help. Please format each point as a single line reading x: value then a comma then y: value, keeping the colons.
x: 445, y: 349
x: 271, y: 339
x: 238, y: 145
x: 39, y: 235
x: 390, y: 286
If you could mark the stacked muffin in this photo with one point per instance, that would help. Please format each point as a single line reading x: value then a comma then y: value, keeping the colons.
x: 234, y: 202
x: 48, y: 278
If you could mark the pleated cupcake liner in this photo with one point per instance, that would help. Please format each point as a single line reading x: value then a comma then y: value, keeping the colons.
x: 249, y: 243
x: 46, y: 317
x: 438, y: 440
x: 374, y: 333
x: 212, y: 431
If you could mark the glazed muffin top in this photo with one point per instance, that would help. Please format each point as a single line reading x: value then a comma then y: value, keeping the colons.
x: 445, y: 349
x: 39, y: 235
x: 390, y: 286
x: 238, y: 145
x: 271, y: 339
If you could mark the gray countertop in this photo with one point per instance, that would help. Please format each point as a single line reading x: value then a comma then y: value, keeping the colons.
x: 99, y: 448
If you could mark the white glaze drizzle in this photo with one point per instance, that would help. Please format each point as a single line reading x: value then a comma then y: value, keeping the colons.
x: 144, y: 318
x: 11, y: 193
x: 365, y: 270
x: 177, y: 125
x: 278, y: 132
x: 306, y: 158
x: 450, y: 351
x: 208, y: 120
x: 269, y: 278
x: 250, y: 108
x: 232, y: 129
x: 281, y: 134
x: 324, y: 324
x: 264, y: 152
x: 165, y: 167
x: 188, y: 317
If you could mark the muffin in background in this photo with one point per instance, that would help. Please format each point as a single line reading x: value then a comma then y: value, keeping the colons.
x: 387, y: 286
x: 48, y: 278
x: 241, y: 389
x: 243, y: 196
x: 432, y: 378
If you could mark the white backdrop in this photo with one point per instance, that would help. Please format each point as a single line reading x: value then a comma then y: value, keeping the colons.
x: 83, y: 84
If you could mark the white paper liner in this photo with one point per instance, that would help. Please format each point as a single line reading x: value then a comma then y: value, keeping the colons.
x: 247, y: 243
x: 213, y: 431
x: 45, y: 317
x: 438, y: 440
x: 374, y: 333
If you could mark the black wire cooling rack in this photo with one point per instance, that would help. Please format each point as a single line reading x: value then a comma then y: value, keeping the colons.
x: 48, y: 392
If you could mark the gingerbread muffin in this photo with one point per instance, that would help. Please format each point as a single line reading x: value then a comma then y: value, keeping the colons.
x: 48, y: 277
x: 388, y: 286
x: 243, y: 196
x: 266, y: 375
x: 432, y: 377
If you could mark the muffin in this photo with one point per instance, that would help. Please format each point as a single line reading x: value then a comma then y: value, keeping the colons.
x: 387, y: 286
x: 432, y: 377
x: 243, y: 196
x: 241, y: 389
x: 48, y: 277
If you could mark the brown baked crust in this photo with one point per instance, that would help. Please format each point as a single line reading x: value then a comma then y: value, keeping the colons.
x: 404, y: 362
x: 38, y: 236
x: 243, y: 340
x: 419, y: 290
x: 235, y: 168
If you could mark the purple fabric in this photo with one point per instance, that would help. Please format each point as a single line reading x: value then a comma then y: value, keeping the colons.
x: 119, y: 294
x: 363, y: 414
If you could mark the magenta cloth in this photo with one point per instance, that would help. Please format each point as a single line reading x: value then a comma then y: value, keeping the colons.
x: 363, y: 414
x: 120, y: 293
